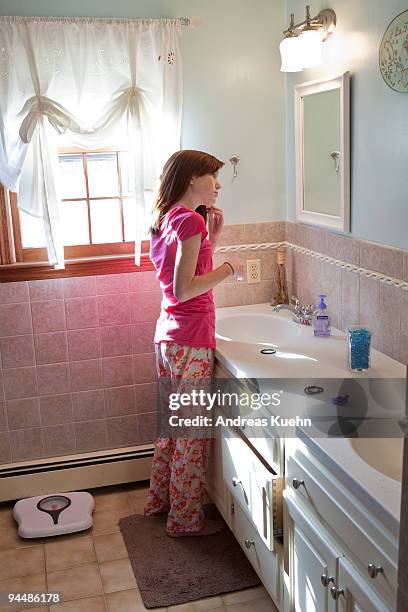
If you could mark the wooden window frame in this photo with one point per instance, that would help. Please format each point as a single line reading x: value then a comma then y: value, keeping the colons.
x: 30, y: 264
x: 17, y: 263
x: 30, y: 254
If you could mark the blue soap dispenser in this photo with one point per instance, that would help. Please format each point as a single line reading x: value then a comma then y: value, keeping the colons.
x: 322, y: 321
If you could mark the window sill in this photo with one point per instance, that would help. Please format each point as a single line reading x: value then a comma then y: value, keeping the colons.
x: 85, y: 266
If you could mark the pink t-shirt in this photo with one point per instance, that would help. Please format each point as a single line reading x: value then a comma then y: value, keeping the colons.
x: 192, y: 322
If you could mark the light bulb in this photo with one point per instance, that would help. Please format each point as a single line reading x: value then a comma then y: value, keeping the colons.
x: 311, y: 48
x: 290, y: 51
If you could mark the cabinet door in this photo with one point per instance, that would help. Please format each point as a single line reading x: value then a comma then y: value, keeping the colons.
x: 256, y: 488
x: 312, y: 561
x: 354, y: 593
x: 265, y: 562
x: 215, y: 482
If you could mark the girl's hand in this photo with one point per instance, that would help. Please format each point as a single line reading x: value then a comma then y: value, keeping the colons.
x: 215, y: 223
x: 238, y: 265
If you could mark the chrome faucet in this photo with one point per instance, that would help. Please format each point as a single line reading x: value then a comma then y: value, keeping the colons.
x: 302, y: 314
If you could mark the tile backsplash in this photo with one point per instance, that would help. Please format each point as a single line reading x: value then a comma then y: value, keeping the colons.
x: 231, y: 293
x: 77, y: 363
x: 353, y: 296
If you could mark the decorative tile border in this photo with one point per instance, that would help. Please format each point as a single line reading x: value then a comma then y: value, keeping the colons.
x: 261, y: 246
x: 383, y: 278
x: 266, y: 246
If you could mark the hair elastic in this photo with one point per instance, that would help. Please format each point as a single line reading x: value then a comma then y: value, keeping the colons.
x: 228, y: 264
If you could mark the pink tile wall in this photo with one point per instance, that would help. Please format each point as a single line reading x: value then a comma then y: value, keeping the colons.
x: 77, y: 364
x: 353, y: 298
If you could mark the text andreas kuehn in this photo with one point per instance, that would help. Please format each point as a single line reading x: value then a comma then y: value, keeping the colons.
x: 238, y: 421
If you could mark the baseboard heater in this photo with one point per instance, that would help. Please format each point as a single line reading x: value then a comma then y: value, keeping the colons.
x: 75, y: 472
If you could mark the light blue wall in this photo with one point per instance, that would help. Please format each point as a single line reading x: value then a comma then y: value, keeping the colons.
x: 379, y: 118
x: 235, y: 100
x: 233, y: 90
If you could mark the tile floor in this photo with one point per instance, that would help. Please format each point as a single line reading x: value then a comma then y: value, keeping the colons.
x: 92, y: 568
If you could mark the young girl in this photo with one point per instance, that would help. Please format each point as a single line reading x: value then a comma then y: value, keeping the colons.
x: 181, y: 250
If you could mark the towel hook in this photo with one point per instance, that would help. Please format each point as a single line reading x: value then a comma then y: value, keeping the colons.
x: 335, y: 155
x: 234, y: 161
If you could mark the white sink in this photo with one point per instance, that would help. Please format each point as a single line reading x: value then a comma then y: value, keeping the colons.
x: 383, y: 454
x: 256, y: 328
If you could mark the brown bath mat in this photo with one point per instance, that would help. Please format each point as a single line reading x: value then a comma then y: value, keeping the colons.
x: 171, y: 571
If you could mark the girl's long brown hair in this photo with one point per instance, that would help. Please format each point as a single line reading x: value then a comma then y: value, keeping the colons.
x: 177, y: 173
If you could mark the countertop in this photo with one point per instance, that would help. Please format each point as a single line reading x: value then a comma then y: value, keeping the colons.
x: 298, y: 356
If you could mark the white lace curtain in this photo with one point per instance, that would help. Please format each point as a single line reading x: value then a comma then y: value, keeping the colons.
x: 89, y: 83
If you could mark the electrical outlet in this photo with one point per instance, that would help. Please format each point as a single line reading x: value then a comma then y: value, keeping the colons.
x: 253, y: 270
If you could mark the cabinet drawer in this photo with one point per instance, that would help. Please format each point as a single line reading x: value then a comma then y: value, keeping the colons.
x: 266, y: 563
x: 357, y: 593
x: 257, y: 489
x: 352, y: 525
x: 269, y: 448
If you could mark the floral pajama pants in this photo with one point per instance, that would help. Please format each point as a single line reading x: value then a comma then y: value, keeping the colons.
x: 177, y: 482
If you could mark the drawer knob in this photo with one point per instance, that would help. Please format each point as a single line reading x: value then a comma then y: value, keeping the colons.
x: 235, y: 481
x: 249, y: 543
x: 297, y: 483
x: 374, y: 570
x: 326, y: 580
x: 335, y: 592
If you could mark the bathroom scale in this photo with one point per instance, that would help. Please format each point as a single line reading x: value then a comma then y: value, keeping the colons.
x: 55, y: 514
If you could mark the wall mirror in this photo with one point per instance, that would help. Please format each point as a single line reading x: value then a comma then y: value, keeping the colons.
x: 322, y: 139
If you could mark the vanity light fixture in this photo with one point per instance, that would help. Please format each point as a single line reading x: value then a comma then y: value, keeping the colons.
x: 302, y: 45
x: 289, y: 49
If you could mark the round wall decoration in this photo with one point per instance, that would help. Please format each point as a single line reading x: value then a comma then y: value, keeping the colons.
x: 394, y: 53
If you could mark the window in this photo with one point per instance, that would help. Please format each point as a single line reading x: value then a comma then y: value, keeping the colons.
x: 98, y: 220
x: 98, y: 208
x: 106, y: 80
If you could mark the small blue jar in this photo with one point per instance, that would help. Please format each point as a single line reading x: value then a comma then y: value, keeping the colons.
x: 359, y: 348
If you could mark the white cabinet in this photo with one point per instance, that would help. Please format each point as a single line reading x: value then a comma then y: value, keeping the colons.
x: 332, y: 541
x: 322, y: 579
x: 215, y: 480
x: 312, y: 561
x: 309, y: 565
x: 257, y: 489
x: 249, y: 496
x: 267, y: 564
x: 334, y: 507
x: 331, y: 537
x: 353, y: 594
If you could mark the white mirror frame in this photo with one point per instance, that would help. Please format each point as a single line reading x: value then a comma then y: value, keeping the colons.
x: 342, y: 222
